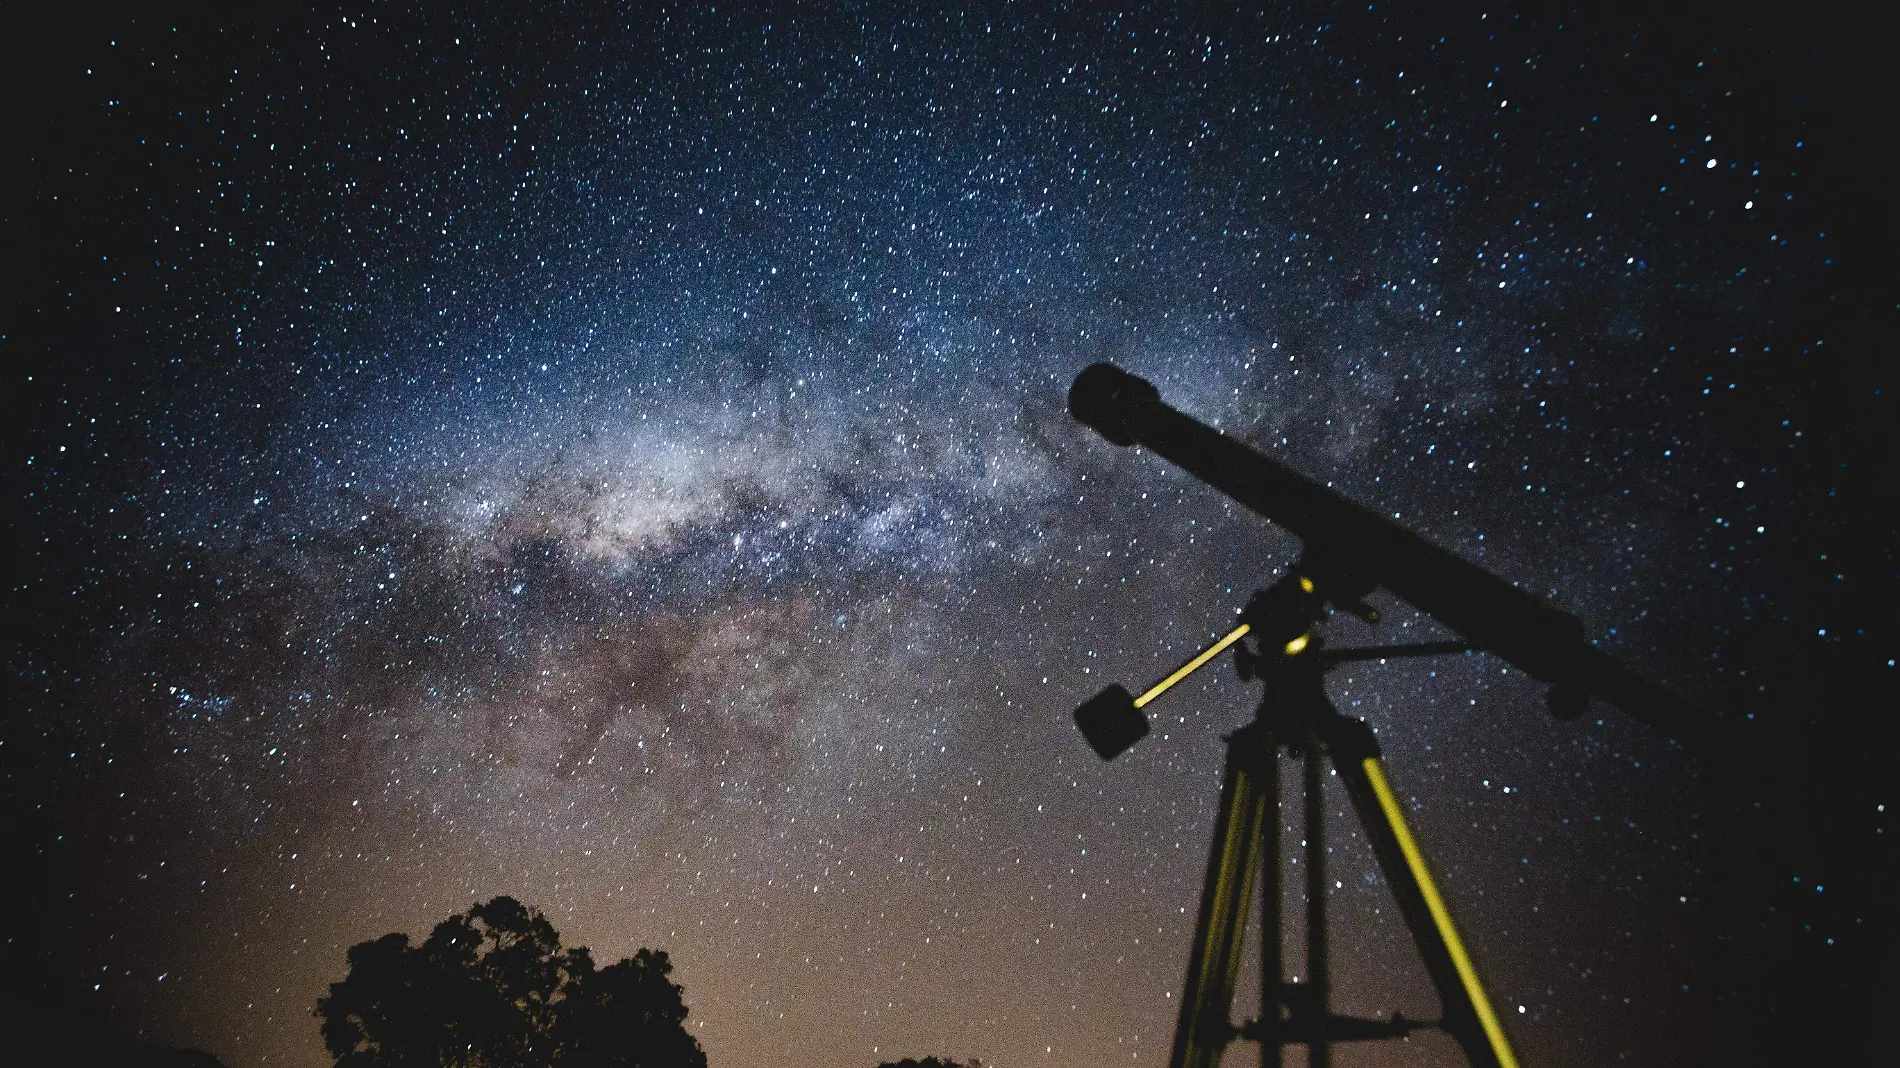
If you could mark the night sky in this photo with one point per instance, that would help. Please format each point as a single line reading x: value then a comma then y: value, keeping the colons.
x: 618, y: 459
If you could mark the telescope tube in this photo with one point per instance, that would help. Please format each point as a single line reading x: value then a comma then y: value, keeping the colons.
x: 1350, y: 549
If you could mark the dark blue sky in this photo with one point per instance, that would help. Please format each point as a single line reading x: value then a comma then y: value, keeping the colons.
x: 617, y: 458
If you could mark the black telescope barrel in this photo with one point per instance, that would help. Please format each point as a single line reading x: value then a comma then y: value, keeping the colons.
x: 1367, y: 549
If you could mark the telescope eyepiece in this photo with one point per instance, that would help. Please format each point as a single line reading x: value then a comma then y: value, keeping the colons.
x: 1101, y: 397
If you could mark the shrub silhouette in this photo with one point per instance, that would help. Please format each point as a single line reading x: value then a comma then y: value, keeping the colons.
x: 493, y: 988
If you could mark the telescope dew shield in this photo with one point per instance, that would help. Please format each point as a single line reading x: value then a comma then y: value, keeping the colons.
x: 1349, y: 546
x: 1101, y: 397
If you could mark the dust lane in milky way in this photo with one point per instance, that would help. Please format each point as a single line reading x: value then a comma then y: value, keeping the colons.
x: 619, y: 462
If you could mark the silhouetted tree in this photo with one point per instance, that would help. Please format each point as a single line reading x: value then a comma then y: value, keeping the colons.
x: 492, y: 988
x: 931, y: 1062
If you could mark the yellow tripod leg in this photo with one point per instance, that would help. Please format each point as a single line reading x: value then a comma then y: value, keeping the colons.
x: 1249, y: 792
x: 1454, y: 947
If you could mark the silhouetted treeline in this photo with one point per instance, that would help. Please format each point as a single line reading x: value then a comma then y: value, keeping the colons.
x: 931, y: 1062
x: 493, y: 988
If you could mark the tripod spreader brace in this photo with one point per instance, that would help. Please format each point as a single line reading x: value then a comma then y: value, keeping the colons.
x: 1295, y: 715
x: 1312, y: 1027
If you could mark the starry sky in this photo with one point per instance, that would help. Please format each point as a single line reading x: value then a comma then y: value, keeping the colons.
x: 617, y: 457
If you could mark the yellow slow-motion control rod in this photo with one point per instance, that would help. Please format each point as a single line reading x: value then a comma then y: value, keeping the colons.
x: 1193, y: 665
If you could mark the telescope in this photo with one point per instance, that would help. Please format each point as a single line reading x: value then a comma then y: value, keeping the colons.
x: 1350, y: 550
x: 1279, y: 640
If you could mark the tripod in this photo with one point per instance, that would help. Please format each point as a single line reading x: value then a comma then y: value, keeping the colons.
x: 1350, y: 550
x: 1296, y: 715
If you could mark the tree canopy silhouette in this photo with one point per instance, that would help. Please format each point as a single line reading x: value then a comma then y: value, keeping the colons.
x: 930, y: 1062
x: 493, y: 988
